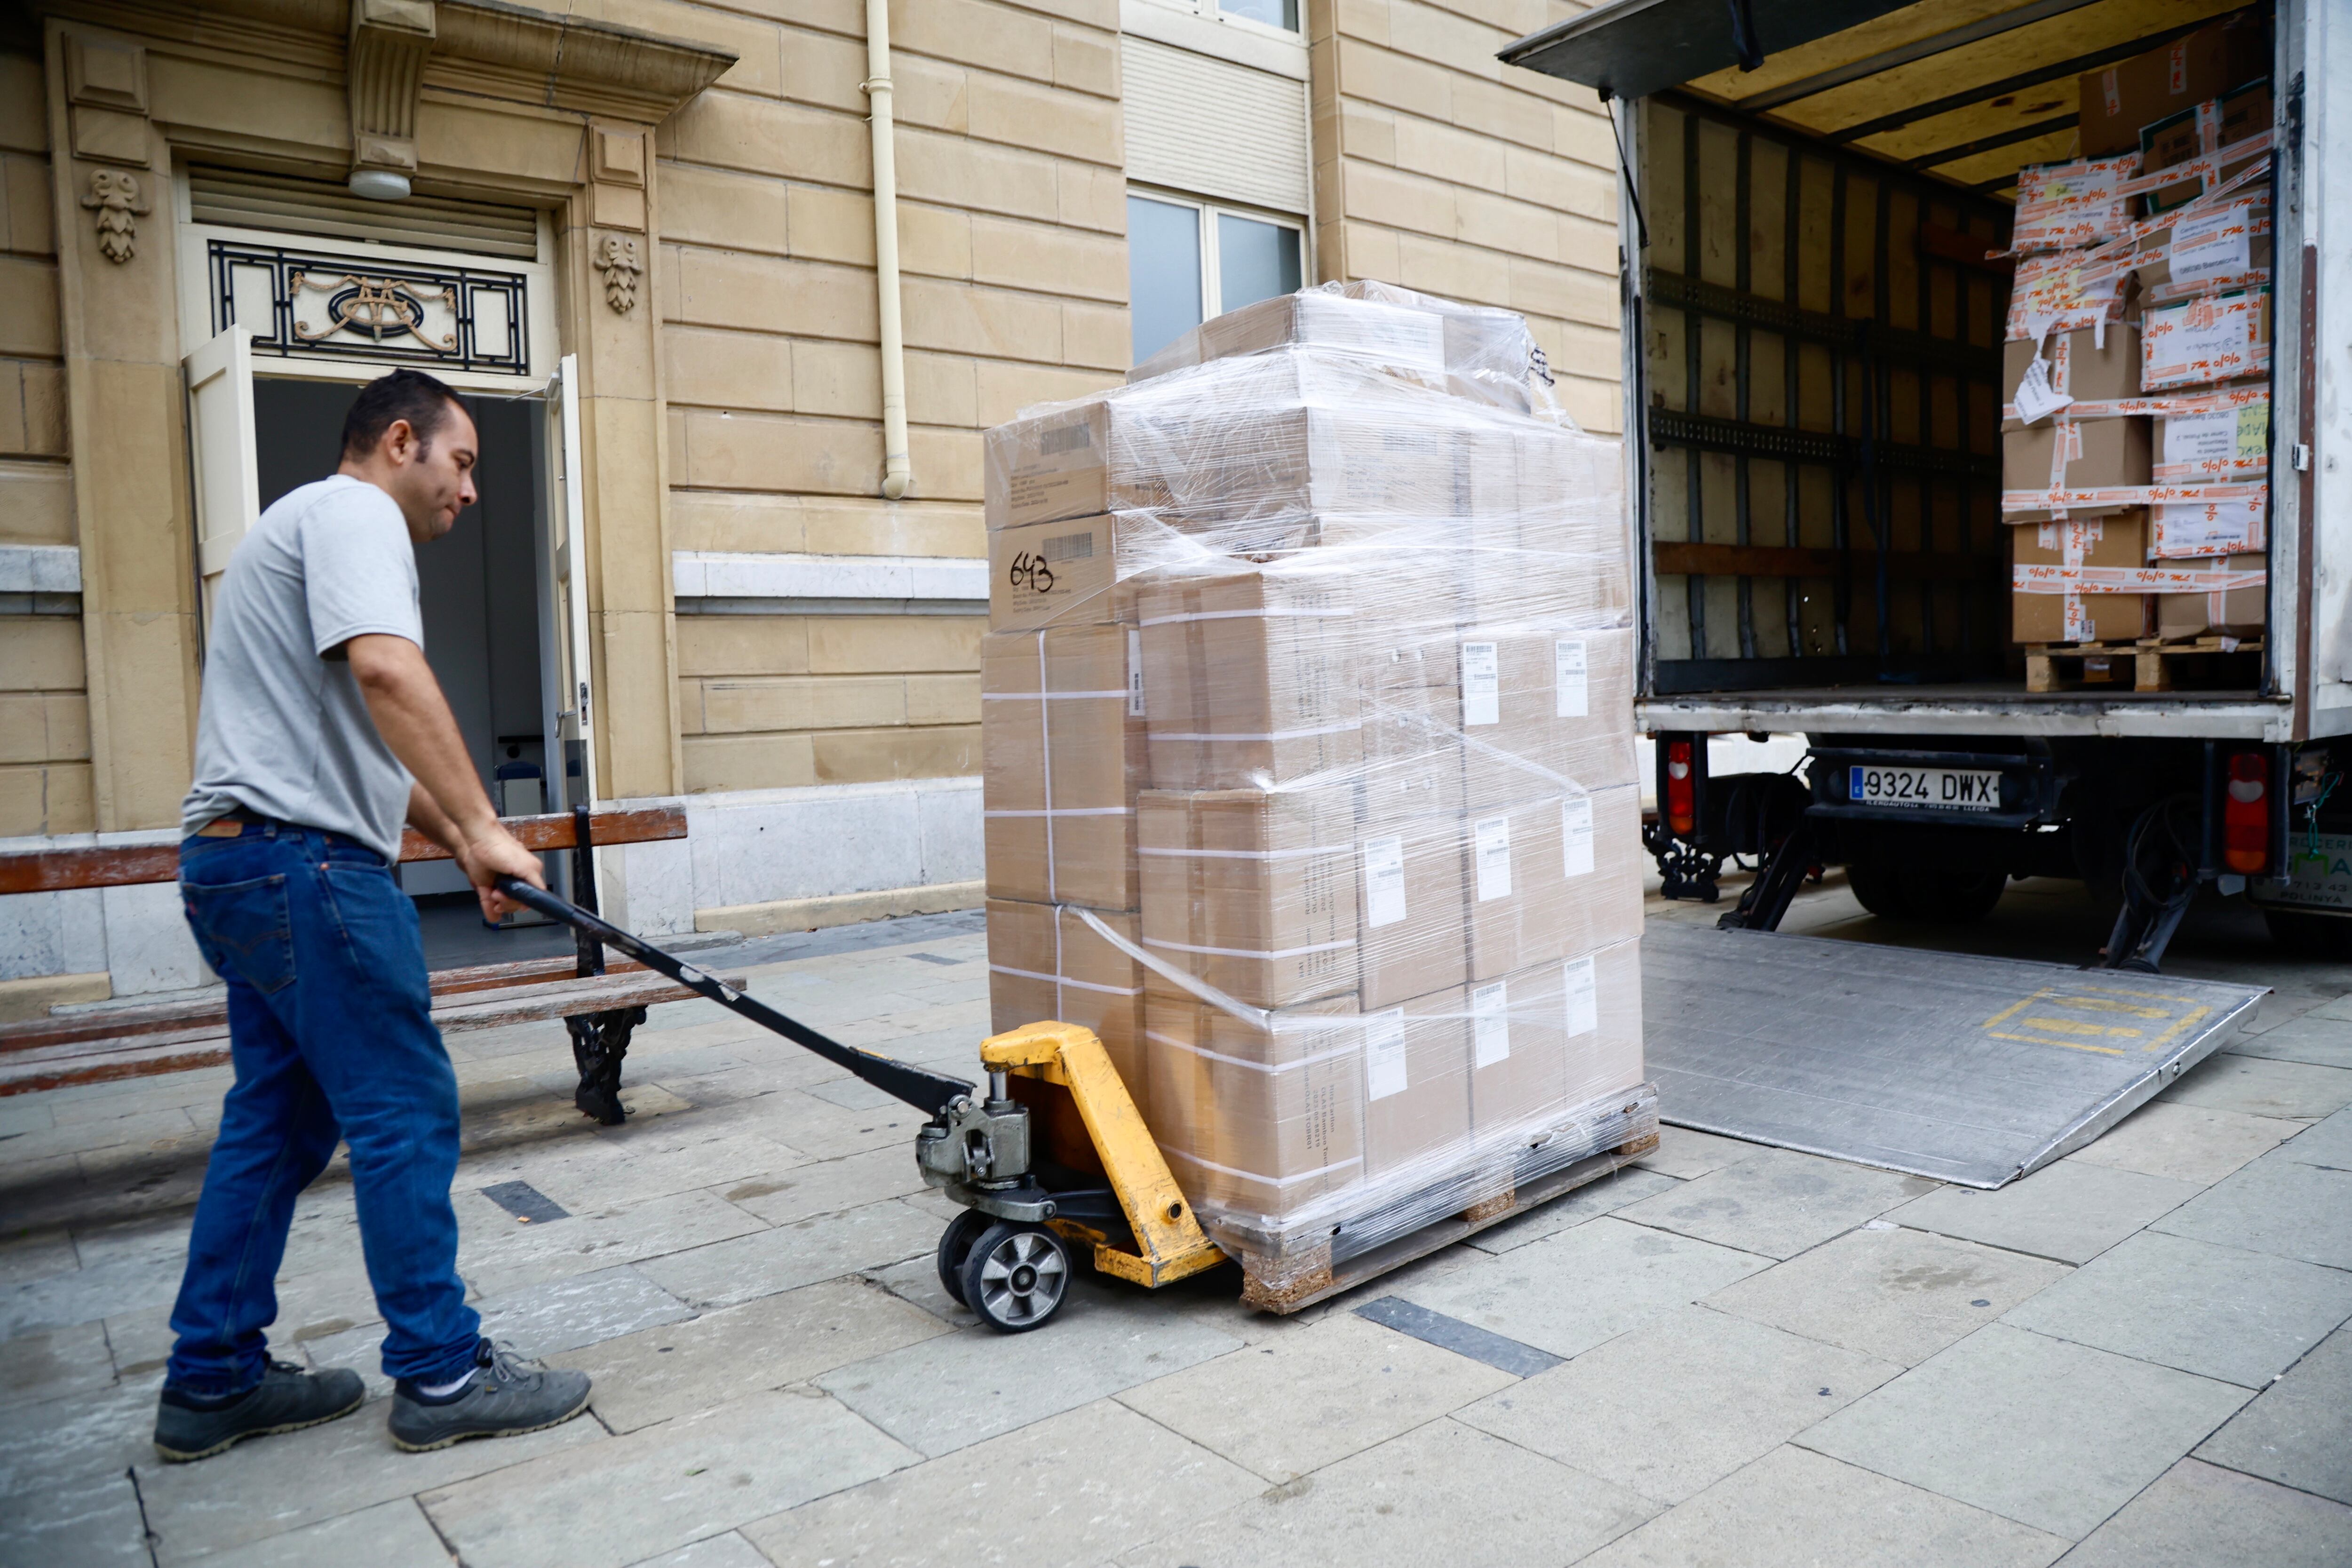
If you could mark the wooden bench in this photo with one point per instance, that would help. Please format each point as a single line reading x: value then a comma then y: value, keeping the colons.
x: 601, y: 1005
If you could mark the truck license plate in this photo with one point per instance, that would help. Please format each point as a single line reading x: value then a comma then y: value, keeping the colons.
x: 1941, y: 789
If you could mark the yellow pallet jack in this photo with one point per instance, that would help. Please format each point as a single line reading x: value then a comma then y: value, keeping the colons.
x: 1101, y: 1184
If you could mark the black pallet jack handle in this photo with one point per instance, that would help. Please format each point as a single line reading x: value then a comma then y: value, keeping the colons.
x: 929, y: 1092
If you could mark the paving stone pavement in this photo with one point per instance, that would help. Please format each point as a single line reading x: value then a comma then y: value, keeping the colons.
x: 1726, y: 1354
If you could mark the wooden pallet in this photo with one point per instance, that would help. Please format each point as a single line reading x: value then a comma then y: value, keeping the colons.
x: 2148, y: 664
x: 1310, y: 1274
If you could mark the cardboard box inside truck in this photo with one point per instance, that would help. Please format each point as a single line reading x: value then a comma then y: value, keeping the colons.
x: 2119, y: 540
x: 2087, y: 363
x: 2118, y: 100
x: 2076, y: 455
x: 2177, y: 139
x: 2240, y: 612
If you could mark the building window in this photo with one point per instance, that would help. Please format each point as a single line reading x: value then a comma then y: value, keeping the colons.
x: 1280, y: 15
x: 1187, y: 261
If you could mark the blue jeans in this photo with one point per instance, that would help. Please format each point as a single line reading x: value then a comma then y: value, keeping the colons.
x: 331, y: 1036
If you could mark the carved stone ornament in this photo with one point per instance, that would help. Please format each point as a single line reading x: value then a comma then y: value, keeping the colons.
x: 115, y: 198
x: 618, y: 259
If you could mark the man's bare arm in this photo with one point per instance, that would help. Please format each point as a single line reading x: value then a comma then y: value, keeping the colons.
x: 425, y: 816
x: 415, y: 720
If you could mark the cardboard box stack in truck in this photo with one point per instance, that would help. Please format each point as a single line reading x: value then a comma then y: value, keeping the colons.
x: 1308, y: 767
x: 2134, y: 447
x: 1979, y: 399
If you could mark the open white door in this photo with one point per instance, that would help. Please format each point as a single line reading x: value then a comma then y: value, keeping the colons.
x: 575, y: 764
x: 228, y: 475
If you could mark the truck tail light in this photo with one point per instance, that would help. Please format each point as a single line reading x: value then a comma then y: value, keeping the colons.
x: 2246, y: 814
x: 1682, y: 817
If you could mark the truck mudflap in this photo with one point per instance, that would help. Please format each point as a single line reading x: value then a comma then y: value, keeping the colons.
x: 2314, y: 852
x: 1966, y: 1069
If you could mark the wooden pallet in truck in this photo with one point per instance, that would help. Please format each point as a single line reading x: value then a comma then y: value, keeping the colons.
x: 2151, y: 660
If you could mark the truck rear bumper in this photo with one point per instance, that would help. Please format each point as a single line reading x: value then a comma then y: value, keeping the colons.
x: 1984, y: 710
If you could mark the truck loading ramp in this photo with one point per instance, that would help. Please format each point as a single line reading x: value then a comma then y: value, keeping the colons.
x: 1973, y: 1071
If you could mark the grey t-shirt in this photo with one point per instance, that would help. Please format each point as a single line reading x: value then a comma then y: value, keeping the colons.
x: 283, y: 730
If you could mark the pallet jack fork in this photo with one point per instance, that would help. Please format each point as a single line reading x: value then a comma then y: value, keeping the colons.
x: 1007, y: 1256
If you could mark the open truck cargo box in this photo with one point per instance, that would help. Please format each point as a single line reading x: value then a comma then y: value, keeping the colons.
x: 1812, y: 355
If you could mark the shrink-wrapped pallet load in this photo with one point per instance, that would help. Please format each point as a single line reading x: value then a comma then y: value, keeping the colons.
x: 1335, y: 610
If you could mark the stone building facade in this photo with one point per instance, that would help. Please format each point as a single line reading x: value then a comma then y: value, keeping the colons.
x: 642, y: 233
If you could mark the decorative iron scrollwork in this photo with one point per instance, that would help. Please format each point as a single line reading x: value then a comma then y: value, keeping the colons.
x: 375, y: 308
x: 319, y: 305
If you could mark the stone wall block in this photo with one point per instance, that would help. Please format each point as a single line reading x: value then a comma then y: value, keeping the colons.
x: 726, y: 369
x: 723, y: 209
x: 1048, y: 259
x: 1028, y: 115
x: 862, y: 756
x: 748, y: 761
x: 36, y: 503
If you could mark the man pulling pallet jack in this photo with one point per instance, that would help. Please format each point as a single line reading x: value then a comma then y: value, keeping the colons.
x: 322, y: 729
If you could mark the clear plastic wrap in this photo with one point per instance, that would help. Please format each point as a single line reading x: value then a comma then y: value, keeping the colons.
x: 1309, y: 703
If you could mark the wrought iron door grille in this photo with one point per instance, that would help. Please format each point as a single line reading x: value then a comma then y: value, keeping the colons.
x: 322, y: 306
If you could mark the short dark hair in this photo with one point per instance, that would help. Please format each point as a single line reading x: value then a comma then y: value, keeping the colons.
x: 409, y: 394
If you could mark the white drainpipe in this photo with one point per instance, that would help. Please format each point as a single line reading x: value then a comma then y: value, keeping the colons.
x: 897, y: 471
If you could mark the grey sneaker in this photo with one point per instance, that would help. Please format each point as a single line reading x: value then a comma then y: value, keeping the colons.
x: 509, y: 1396
x: 286, y: 1399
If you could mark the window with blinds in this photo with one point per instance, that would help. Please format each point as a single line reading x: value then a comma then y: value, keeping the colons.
x: 241, y: 198
x: 1214, y: 128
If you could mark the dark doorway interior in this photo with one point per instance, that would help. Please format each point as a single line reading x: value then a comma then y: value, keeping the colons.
x: 480, y: 589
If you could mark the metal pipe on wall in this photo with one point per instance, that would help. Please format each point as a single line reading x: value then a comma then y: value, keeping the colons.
x: 898, y: 468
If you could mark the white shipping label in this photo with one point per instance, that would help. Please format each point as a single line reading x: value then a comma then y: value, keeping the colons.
x: 1576, y: 835
x: 2212, y: 245
x: 2036, y: 398
x: 2193, y: 343
x: 2208, y: 528
x: 1384, y: 1072
x: 1482, y: 684
x: 1568, y: 666
x: 1384, y: 880
x: 1492, y: 838
x: 1583, y: 997
x: 1134, y: 673
x: 2202, y: 438
x: 1490, y: 1024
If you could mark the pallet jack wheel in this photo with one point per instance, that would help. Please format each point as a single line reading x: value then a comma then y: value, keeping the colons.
x: 1016, y: 1277
x: 955, y: 1246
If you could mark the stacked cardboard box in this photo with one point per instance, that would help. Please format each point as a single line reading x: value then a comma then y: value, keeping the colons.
x: 2134, y: 445
x: 1312, y: 681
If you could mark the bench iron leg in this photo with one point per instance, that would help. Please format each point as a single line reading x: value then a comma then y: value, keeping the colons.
x: 599, y: 1041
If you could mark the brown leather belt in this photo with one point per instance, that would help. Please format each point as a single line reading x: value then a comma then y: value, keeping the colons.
x: 232, y: 823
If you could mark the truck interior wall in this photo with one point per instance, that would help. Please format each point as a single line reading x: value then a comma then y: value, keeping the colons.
x: 1823, y: 362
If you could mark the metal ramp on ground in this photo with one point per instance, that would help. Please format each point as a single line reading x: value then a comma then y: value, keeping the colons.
x: 1974, y: 1070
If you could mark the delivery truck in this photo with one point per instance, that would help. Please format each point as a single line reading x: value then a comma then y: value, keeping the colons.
x: 1986, y: 422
